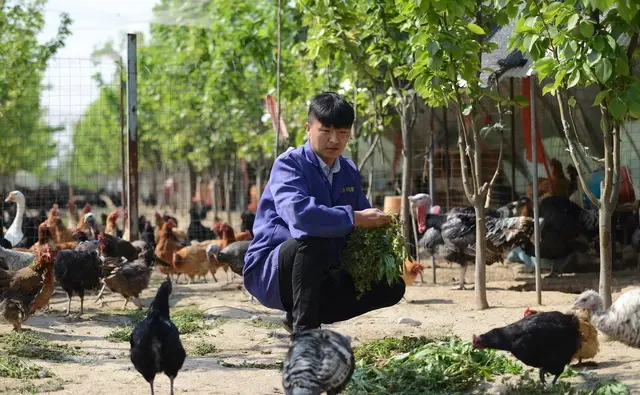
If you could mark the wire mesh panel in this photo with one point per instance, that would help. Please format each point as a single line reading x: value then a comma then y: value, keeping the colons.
x: 61, y: 145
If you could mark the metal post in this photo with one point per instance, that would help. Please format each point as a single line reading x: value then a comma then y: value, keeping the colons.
x: 123, y: 195
x: 513, y: 142
x: 132, y: 121
x: 536, y: 214
x: 432, y: 192
x: 278, y: 79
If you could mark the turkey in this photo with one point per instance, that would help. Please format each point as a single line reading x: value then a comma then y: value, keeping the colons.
x: 567, y: 230
x: 621, y: 321
x: 451, y: 236
x: 319, y: 360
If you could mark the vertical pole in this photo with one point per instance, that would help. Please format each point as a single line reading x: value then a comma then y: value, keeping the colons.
x: 447, y: 162
x: 123, y: 151
x: 132, y: 118
x: 513, y: 142
x: 277, y: 144
x: 536, y: 213
x: 432, y: 192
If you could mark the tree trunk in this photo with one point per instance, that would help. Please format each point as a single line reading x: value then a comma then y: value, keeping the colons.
x: 407, y: 171
x: 480, y: 273
x: 193, y: 181
x: 228, y: 187
x: 215, y: 181
x: 259, y: 180
x: 606, y: 254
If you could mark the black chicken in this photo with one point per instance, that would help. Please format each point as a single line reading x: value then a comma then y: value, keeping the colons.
x: 77, y: 271
x: 155, y: 341
x: 546, y: 341
x: 319, y: 360
x: 116, y: 247
x: 247, y: 218
x: 567, y: 229
x: 196, y: 230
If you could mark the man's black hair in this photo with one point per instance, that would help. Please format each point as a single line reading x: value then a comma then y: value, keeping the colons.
x: 331, y: 110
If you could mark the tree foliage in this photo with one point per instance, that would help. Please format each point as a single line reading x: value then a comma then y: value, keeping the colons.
x: 583, y: 43
x: 202, y: 83
x: 27, y: 140
x: 448, y: 38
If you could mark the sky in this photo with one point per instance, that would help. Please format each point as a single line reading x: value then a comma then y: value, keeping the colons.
x: 69, y: 74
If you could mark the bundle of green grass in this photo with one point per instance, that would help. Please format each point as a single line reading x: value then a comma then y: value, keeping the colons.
x: 374, y: 255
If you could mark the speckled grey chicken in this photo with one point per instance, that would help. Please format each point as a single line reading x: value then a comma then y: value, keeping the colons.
x: 318, y: 361
x: 127, y: 278
x: 621, y: 321
x: 233, y: 255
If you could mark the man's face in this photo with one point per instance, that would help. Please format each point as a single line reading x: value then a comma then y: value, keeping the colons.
x: 328, y: 142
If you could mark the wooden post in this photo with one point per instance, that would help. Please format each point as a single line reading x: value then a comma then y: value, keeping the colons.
x: 513, y: 141
x: 132, y: 123
x: 536, y: 211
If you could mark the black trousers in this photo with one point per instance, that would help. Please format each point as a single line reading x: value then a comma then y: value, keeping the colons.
x: 314, y: 296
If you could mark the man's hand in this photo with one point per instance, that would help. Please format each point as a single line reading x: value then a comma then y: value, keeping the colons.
x: 370, y: 218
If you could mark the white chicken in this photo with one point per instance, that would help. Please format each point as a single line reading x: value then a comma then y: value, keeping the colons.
x: 14, y: 235
x: 319, y: 360
x: 621, y: 321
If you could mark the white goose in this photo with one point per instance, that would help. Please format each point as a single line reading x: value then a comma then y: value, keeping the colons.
x: 14, y: 235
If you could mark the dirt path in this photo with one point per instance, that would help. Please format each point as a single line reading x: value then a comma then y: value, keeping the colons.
x: 249, y: 341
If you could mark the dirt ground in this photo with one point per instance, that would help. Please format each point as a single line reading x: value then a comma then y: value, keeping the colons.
x: 249, y: 342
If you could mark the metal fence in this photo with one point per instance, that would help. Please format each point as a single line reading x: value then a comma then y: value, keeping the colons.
x: 77, y: 153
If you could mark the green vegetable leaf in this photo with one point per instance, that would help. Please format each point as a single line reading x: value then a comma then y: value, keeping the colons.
x: 572, y: 101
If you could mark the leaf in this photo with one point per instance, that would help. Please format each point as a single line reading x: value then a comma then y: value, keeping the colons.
x: 572, y: 22
x: 467, y: 109
x: 572, y: 101
x: 574, y: 79
x: 622, y: 67
x: 617, y: 108
x: 548, y: 88
x: 600, y: 97
x: 521, y: 100
x: 587, y: 29
x: 604, y: 68
x: 476, y: 29
x: 611, y: 41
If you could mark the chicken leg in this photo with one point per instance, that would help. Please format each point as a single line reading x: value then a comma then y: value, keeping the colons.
x: 68, y: 305
x: 81, y: 304
x: 463, y: 273
x: 542, y: 375
x: 151, y: 384
x: 171, y: 382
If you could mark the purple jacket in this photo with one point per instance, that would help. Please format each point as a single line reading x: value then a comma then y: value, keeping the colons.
x: 298, y: 201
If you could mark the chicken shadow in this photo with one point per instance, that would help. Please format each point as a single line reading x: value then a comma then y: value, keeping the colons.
x: 430, y: 301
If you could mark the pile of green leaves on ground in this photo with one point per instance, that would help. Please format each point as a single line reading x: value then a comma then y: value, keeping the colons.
x: 17, y: 368
x: 446, y: 365
x: 29, y: 344
x: 187, y: 320
x: 373, y: 255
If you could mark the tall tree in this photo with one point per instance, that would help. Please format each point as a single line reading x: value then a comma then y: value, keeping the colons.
x: 584, y: 43
x: 27, y: 140
x: 366, y: 40
x: 449, y: 38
